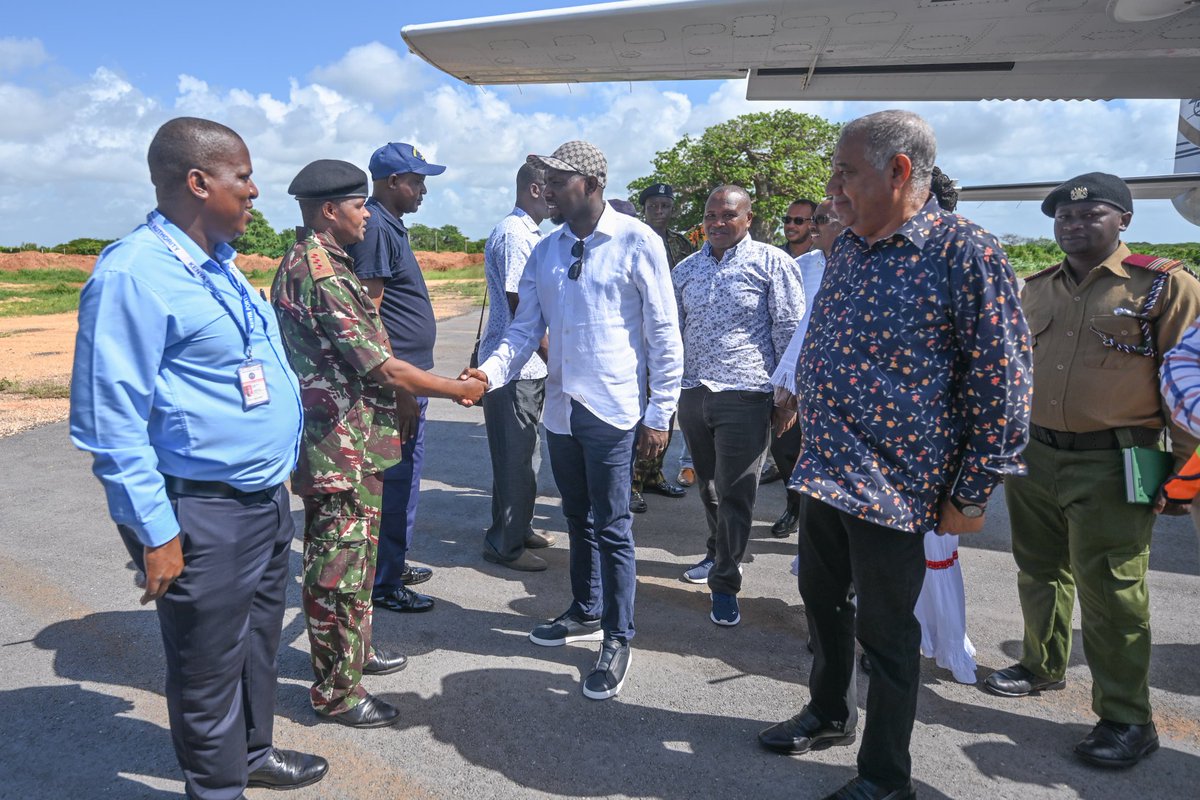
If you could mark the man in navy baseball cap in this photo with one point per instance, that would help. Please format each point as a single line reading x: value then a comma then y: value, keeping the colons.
x: 398, y: 158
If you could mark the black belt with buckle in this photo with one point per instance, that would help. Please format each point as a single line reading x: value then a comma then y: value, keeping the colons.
x: 190, y: 488
x: 1094, y: 440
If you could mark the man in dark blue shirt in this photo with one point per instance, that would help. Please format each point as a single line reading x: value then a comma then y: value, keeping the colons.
x: 385, y: 263
x: 915, y: 384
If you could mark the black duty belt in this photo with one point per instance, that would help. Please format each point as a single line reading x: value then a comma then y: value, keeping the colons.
x: 190, y: 488
x: 1094, y: 440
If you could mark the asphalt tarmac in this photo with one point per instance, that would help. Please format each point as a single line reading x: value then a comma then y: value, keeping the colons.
x: 487, y: 714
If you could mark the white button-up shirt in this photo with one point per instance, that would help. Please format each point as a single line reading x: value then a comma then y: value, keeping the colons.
x: 504, y: 258
x: 812, y: 270
x: 608, y: 329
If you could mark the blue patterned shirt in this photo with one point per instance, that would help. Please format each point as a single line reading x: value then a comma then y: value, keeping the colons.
x: 737, y: 314
x: 916, y: 377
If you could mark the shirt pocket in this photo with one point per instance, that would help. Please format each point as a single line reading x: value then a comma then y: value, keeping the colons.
x: 1120, y: 330
x: 1039, y: 327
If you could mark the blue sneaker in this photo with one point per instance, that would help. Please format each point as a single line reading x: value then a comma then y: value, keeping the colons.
x: 699, y: 573
x: 725, y: 609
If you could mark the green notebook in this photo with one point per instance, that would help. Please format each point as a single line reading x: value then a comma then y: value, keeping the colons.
x: 1145, y: 472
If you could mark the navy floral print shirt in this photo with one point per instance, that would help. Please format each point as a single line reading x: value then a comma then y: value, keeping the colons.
x: 916, y: 376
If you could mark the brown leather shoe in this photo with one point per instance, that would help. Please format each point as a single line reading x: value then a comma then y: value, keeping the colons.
x: 536, y: 541
x: 526, y: 562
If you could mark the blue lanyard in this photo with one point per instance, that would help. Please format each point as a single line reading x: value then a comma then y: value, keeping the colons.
x: 248, y: 310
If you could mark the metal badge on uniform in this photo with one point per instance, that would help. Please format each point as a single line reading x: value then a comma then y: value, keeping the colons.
x: 253, y: 383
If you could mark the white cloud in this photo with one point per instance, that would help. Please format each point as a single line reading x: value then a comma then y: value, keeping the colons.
x: 17, y: 54
x: 81, y: 149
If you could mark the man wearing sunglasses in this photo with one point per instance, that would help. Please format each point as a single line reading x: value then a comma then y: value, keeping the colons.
x: 601, y: 286
x: 797, y: 227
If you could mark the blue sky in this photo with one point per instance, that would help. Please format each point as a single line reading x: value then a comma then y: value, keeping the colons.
x: 85, y: 90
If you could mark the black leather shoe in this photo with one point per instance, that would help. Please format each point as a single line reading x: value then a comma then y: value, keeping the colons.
x: 288, y: 769
x: 666, y: 489
x: 787, y: 524
x: 864, y: 663
x: 403, y: 599
x: 371, y: 712
x: 637, y: 503
x: 382, y: 662
x: 1117, y: 745
x: 769, y: 475
x: 862, y: 789
x: 804, y: 732
x: 1017, y: 681
x: 414, y: 575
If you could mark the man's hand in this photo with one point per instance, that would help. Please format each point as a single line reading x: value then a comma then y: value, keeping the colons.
x: 477, y: 374
x: 951, y: 520
x: 408, y: 411
x: 650, y: 442
x: 1164, y: 506
x: 785, y: 399
x: 472, y: 392
x: 782, y: 420
x: 163, y: 565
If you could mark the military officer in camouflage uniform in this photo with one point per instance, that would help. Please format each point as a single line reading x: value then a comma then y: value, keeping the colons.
x: 658, y: 204
x: 1102, y: 320
x: 358, y: 409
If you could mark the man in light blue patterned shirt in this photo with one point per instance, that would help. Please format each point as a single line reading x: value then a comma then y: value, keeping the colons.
x: 739, y: 304
x: 514, y: 411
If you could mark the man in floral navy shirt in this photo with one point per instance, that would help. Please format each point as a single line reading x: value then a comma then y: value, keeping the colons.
x: 915, y: 385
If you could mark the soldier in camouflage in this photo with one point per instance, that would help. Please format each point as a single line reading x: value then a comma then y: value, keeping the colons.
x: 658, y: 204
x: 358, y: 409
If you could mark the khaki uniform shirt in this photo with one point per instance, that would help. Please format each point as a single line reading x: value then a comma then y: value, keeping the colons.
x: 1080, y: 384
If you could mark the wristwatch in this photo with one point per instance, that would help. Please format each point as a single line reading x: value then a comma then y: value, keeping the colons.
x: 967, y: 509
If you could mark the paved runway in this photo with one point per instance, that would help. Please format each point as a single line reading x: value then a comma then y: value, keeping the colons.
x: 489, y: 715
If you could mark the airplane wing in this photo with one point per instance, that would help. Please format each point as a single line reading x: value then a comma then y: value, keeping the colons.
x: 1150, y: 187
x: 841, y: 49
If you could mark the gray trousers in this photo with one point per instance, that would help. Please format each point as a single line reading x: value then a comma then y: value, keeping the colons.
x: 511, y: 414
x: 727, y: 433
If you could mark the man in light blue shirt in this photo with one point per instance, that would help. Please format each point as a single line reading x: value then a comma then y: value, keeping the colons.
x: 182, y: 393
x: 514, y: 411
x: 601, y: 286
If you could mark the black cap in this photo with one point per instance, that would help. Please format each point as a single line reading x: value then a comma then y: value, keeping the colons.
x: 622, y: 206
x: 1094, y: 187
x: 329, y: 179
x: 656, y: 190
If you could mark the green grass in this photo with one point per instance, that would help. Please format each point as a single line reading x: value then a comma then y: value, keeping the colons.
x: 40, y: 291
x: 473, y: 272
x: 39, y: 276
x: 41, y: 389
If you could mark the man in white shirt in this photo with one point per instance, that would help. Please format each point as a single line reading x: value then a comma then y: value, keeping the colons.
x: 601, y: 286
x: 512, y: 412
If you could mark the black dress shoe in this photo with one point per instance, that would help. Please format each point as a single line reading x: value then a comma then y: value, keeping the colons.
x: 805, y: 732
x: 1017, y: 681
x: 288, y: 769
x: 637, y: 503
x: 414, y: 575
x: 769, y: 475
x: 403, y: 599
x: 382, y: 662
x: 862, y: 789
x: 1117, y: 745
x: 788, y: 523
x: 666, y: 489
x: 371, y: 712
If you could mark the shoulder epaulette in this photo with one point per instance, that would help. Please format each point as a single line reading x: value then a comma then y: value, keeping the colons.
x: 1043, y: 273
x: 1152, y: 263
x: 319, y: 263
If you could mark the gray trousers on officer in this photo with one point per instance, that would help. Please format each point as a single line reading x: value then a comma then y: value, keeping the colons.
x: 727, y: 433
x: 221, y: 622
x: 512, y: 414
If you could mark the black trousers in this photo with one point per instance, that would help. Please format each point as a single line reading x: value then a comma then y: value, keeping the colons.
x: 841, y: 556
x: 786, y: 450
x: 221, y: 622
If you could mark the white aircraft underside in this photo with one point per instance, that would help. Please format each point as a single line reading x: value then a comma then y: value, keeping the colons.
x: 841, y: 49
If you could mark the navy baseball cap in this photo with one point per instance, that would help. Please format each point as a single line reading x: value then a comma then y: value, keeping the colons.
x: 397, y: 158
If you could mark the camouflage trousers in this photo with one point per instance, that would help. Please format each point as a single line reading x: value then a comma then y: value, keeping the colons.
x: 648, y: 471
x: 341, y: 539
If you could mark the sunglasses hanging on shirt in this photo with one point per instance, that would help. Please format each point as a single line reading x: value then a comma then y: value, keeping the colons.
x: 577, y: 254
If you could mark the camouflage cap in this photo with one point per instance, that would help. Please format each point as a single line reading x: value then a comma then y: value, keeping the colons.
x: 582, y: 157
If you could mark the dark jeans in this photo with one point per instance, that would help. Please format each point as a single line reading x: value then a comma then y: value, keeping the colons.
x: 511, y: 414
x: 726, y: 433
x: 401, y: 492
x: 786, y: 450
x: 841, y: 555
x: 593, y: 467
x: 221, y: 621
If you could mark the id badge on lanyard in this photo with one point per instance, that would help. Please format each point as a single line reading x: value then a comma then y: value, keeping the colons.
x: 252, y: 379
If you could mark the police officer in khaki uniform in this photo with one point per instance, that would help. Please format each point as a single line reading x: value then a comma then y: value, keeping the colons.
x: 1102, y: 320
